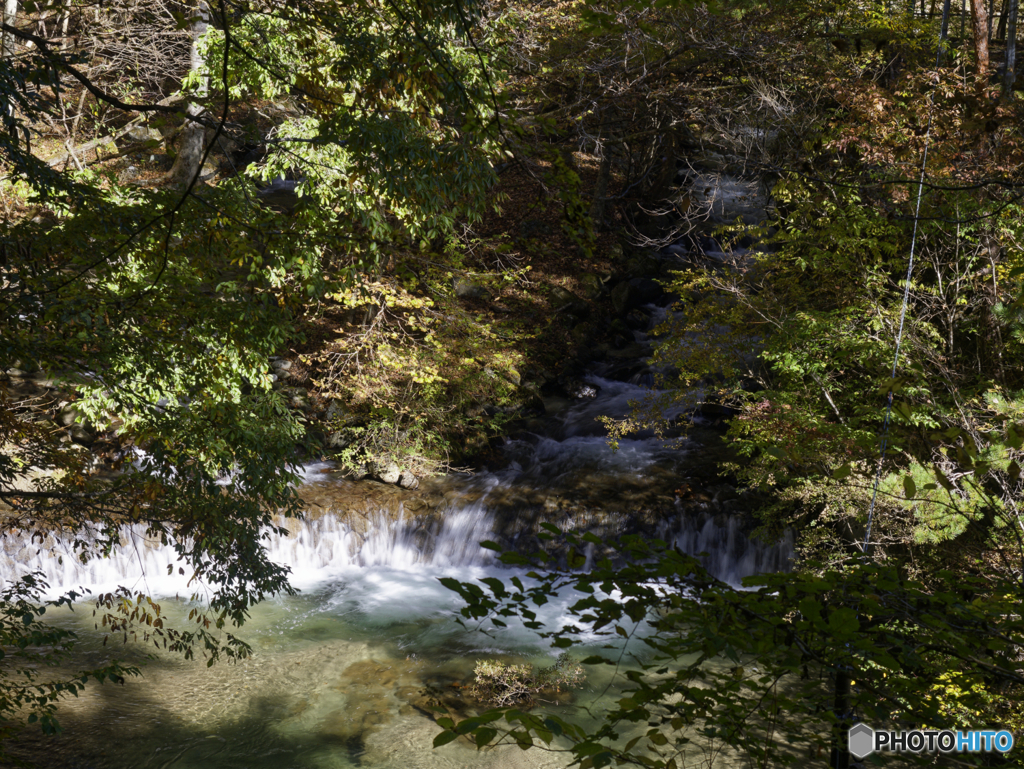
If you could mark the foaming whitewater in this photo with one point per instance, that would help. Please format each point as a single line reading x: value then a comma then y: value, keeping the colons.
x: 727, y: 552
x: 319, y: 549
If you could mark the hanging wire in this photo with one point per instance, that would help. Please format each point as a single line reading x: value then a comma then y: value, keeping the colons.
x: 906, y: 287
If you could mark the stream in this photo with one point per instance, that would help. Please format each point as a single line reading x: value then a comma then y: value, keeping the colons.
x: 343, y: 674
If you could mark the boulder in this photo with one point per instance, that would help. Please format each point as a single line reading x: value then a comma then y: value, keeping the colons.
x: 83, y: 434
x: 336, y: 412
x: 338, y: 440
x: 643, y: 265
x: 564, y: 299
x: 647, y: 290
x: 297, y: 397
x: 592, y: 286
x: 78, y: 428
x: 408, y: 481
x: 624, y: 298
x: 389, y: 473
x: 637, y: 319
x: 359, y: 472
x: 467, y: 289
x: 141, y: 133
x: 209, y: 170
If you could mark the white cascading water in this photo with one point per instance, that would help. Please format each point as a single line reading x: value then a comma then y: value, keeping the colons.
x: 328, y: 547
x: 730, y: 554
x: 317, y: 550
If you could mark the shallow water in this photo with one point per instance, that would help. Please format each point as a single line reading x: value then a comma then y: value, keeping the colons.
x: 345, y: 674
x: 341, y: 676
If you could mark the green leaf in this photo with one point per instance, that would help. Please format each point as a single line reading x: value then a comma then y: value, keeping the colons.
x: 482, y: 736
x: 909, y: 487
x: 841, y: 472
x: 843, y: 621
x: 444, y: 738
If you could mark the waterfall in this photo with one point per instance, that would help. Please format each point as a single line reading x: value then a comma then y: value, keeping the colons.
x: 730, y: 554
x: 330, y: 546
x: 317, y: 549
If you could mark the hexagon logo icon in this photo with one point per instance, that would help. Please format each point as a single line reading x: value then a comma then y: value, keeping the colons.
x: 861, y: 740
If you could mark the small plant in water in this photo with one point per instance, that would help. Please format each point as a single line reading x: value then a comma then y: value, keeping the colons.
x: 502, y: 685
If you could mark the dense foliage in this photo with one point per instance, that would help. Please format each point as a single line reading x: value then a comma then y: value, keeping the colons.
x: 833, y: 107
x: 139, y: 315
x: 359, y: 142
x: 775, y: 671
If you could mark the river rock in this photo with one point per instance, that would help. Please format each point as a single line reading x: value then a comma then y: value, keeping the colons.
x: 591, y: 285
x: 389, y: 473
x: 637, y: 319
x: 69, y: 415
x: 83, y: 434
x: 78, y: 428
x: 624, y: 298
x: 566, y: 300
x: 647, y: 290
x: 725, y: 493
x: 408, y: 481
x: 359, y: 472
x: 633, y: 293
x: 467, y: 289
x: 643, y: 265
x: 297, y: 397
x: 141, y: 133
x: 338, y: 440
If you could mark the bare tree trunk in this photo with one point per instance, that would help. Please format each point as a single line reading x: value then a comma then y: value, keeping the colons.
x: 1001, y: 27
x: 1011, y: 50
x: 7, y: 44
x: 943, y: 32
x: 10, y: 19
x: 597, y: 208
x: 980, y: 18
x: 193, y: 133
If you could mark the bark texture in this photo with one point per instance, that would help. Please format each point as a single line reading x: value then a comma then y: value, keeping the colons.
x: 193, y: 134
x: 1011, y: 50
x: 979, y: 14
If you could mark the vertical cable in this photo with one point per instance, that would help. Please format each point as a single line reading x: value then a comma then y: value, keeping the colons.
x: 906, y: 287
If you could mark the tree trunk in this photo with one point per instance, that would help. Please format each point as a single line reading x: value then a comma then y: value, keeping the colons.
x: 840, y: 758
x: 597, y: 208
x: 193, y: 133
x: 1001, y: 27
x: 10, y: 19
x: 943, y: 33
x: 1011, y: 50
x: 980, y: 18
x: 7, y: 44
